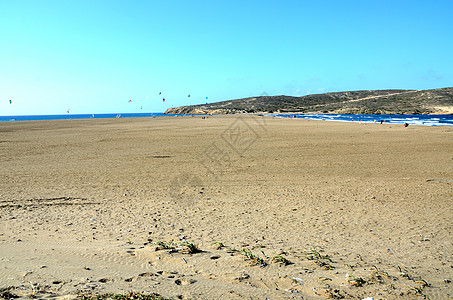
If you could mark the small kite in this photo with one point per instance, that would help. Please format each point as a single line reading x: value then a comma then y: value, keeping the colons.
x: 160, y: 93
x: 67, y: 111
x: 206, y: 98
x: 130, y: 101
x: 163, y: 99
x: 141, y: 107
x: 188, y: 96
x: 10, y: 101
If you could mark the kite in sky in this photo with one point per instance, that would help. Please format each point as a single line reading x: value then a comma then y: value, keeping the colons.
x: 130, y: 101
x: 10, y: 101
x: 163, y: 99
x: 188, y: 96
x: 67, y: 111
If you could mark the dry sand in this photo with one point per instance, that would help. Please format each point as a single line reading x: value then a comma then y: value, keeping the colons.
x: 83, y: 202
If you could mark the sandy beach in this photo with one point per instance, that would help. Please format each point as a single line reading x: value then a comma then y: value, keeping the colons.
x: 277, y: 208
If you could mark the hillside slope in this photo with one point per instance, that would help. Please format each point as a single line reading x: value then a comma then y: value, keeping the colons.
x: 437, y: 101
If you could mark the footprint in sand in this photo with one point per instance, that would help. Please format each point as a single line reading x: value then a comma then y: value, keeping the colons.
x: 185, y: 281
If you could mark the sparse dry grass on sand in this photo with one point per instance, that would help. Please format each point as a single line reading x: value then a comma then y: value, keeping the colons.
x: 229, y: 207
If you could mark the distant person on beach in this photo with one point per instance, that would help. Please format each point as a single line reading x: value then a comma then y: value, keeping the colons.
x: 381, y: 122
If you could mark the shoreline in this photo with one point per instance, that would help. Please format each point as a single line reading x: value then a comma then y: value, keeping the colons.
x: 363, y: 118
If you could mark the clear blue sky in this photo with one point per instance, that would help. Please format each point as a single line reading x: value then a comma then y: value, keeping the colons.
x: 94, y: 56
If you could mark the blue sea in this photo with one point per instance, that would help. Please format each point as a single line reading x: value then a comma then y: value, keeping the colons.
x: 83, y: 116
x: 426, y: 120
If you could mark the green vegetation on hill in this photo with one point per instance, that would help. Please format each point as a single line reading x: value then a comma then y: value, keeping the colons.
x: 350, y: 102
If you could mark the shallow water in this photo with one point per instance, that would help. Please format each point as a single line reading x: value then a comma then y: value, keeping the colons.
x: 426, y: 120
